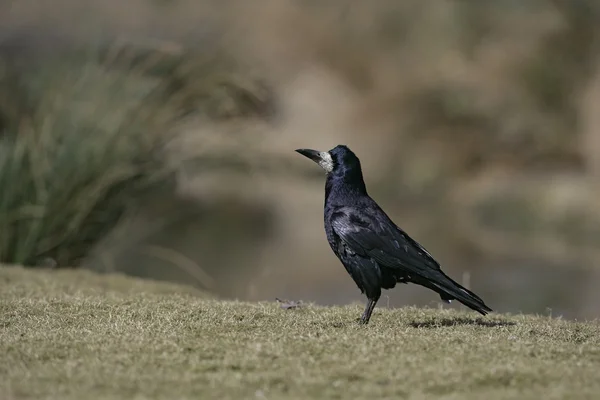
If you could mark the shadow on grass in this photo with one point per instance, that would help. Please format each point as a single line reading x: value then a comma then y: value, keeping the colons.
x: 439, y: 323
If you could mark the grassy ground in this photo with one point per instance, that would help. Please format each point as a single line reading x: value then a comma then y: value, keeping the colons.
x: 75, y: 335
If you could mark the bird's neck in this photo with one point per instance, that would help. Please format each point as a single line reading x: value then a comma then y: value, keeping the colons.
x: 348, y: 180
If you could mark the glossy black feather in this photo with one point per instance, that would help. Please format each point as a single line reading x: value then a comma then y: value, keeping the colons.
x: 374, y: 250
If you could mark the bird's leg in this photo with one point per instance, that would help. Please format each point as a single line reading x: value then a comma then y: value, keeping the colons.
x: 368, y: 311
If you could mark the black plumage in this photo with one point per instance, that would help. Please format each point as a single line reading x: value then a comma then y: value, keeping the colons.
x: 376, y: 253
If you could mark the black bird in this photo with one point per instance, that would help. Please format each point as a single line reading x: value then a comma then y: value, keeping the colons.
x: 376, y: 253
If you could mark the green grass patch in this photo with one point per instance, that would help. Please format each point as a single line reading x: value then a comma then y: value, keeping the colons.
x: 73, y: 335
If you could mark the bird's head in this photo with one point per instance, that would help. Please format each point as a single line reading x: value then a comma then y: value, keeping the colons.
x: 337, y: 159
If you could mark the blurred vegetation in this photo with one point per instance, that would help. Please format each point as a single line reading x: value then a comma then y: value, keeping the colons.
x: 83, y: 140
x: 475, y: 121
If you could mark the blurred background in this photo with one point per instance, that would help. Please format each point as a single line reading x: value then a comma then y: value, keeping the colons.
x: 155, y: 138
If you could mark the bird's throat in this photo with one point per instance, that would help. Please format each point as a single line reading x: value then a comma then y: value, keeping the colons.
x: 348, y: 182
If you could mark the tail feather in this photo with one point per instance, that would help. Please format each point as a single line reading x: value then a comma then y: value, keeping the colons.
x: 449, y: 290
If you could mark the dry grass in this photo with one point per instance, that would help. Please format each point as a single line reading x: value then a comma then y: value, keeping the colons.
x: 73, y: 335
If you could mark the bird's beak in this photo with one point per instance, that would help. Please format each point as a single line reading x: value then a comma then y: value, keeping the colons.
x: 322, y: 158
x: 312, y: 154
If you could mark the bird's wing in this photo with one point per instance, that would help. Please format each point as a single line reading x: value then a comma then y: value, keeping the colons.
x: 369, y: 233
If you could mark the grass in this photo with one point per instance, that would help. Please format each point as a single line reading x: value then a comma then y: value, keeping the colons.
x: 104, y: 116
x: 97, y: 127
x: 70, y: 334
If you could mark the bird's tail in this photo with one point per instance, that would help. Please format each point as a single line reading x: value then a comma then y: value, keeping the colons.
x: 451, y: 290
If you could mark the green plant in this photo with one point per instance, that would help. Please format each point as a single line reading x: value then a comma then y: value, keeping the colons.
x: 88, y: 150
